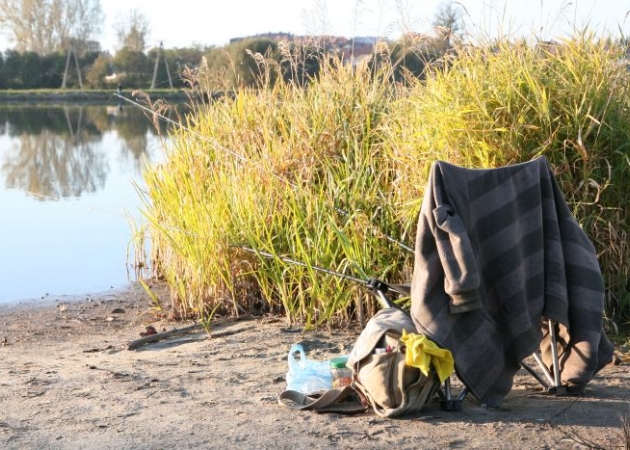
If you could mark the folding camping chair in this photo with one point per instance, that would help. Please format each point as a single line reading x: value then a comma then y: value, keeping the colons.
x: 498, y: 258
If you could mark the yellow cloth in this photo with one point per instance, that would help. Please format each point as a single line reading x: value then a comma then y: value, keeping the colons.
x: 422, y: 352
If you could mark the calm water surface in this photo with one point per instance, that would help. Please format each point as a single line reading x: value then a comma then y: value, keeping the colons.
x: 67, y: 197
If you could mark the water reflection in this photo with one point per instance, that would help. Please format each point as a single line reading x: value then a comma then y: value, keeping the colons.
x: 67, y: 193
x: 54, y: 152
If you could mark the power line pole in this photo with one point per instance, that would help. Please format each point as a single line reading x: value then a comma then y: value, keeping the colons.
x: 155, y: 69
x: 71, y: 52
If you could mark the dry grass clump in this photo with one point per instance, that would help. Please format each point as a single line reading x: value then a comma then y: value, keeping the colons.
x: 321, y: 173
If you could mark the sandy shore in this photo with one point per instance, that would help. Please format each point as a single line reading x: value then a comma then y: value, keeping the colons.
x: 68, y: 381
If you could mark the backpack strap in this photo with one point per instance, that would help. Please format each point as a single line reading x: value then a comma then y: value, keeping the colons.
x: 339, y: 400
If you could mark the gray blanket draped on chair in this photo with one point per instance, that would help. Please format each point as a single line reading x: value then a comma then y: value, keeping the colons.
x: 496, y: 251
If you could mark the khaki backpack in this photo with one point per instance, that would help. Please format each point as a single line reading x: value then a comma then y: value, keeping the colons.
x: 381, y: 379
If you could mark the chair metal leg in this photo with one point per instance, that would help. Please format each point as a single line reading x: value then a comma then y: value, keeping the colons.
x: 554, y: 353
x: 447, y: 402
x: 544, y: 382
x: 545, y: 370
x: 551, y: 382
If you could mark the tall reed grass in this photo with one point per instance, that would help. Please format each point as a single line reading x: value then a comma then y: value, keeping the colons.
x: 331, y: 173
x: 511, y: 102
x: 286, y: 170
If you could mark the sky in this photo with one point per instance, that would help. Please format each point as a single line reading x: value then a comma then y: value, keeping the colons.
x: 215, y: 22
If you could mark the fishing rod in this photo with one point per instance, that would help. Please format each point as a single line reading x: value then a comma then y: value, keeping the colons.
x: 379, y: 233
x: 181, y: 126
x: 377, y: 287
x: 241, y: 158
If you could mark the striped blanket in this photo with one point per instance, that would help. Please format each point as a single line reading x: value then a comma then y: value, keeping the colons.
x: 497, y: 250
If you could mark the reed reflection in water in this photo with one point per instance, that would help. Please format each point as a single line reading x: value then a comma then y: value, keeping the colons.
x: 66, y: 196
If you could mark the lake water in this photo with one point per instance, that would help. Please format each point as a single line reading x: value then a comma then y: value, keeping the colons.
x: 67, y: 196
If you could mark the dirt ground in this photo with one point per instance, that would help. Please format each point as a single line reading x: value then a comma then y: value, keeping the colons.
x: 68, y: 381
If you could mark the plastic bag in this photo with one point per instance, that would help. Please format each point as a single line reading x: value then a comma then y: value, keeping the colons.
x: 306, y: 375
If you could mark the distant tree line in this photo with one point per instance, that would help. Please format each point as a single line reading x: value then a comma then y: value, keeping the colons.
x: 99, y: 70
x: 249, y: 62
x: 49, y: 32
x: 243, y: 63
